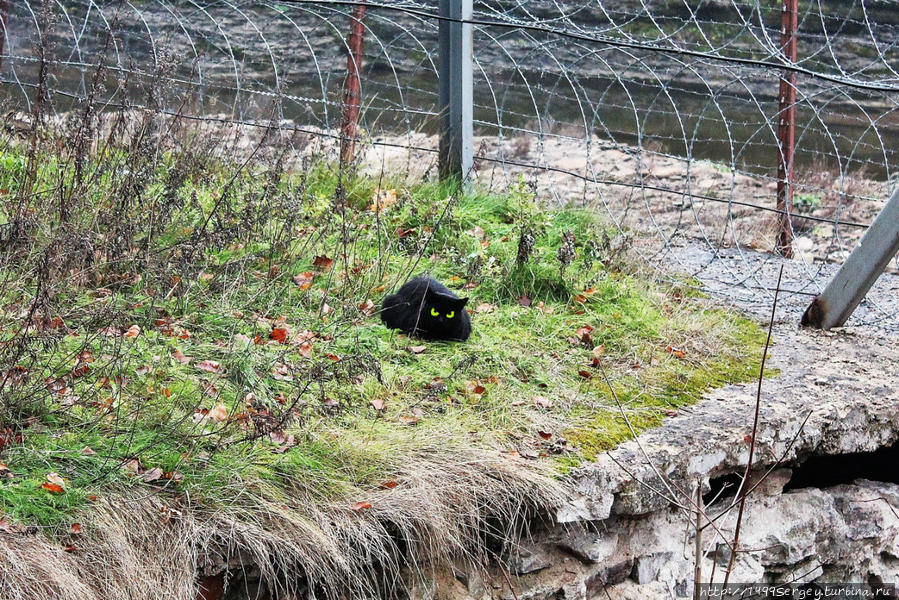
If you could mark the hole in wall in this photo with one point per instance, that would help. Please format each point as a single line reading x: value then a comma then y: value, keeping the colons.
x: 822, y: 472
x: 828, y: 471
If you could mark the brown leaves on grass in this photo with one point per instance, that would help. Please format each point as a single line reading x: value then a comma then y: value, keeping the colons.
x: 360, y: 506
x: 279, y: 334
x: 80, y: 371
x: 218, y: 413
x: 382, y: 200
x: 151, y: 475
x: 284, y: 441
x: 53, y: 488
x: 132, y: 332
x: 181, y: 357
x: 524, y: 300
x: 210, y: 366
x: 304, y: 280
x: 322, y: 263
x: 675, y: 352
x: 474, y: 387
x: 583, y: 333
x: 368, y: 308
x: 54, y: 484
x: 282, y: 372
x: 417, y: 349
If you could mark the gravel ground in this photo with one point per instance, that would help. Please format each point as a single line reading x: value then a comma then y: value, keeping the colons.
x: 746, y: 280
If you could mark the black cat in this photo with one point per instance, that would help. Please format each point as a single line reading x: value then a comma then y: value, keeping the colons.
x: 425, y: 308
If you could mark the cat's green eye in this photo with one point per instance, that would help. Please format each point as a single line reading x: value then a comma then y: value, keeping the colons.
x: 434, y: 312
x: 451, y: 314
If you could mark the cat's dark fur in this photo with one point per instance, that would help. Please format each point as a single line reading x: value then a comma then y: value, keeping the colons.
x: 412, y: 310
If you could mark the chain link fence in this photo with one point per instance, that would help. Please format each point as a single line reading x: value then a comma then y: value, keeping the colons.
x: 663, y: 115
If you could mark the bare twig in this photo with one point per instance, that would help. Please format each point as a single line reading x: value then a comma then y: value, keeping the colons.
x: 744, y: 491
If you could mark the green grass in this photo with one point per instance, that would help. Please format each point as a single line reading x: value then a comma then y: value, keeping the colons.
x: 224, y: 259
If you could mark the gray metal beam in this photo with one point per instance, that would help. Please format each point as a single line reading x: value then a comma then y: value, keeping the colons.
x: 456, y: 94
x: 868, y: 260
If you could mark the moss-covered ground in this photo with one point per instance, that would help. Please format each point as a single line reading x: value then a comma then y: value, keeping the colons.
x: 212, y: 331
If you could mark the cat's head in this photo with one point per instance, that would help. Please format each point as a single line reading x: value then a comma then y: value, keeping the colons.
x: 441, y: 311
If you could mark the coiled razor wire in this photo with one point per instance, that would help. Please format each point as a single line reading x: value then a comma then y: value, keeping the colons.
x: 661, y: 114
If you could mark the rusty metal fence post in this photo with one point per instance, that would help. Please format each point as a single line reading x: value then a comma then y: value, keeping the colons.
x: 786, y: 128
x: 352, y: 88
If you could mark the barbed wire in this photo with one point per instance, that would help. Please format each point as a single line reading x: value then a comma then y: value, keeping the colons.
x: 662, y: 115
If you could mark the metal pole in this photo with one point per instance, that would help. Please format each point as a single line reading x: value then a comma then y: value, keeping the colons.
x: 868, y: 260
x: 456, y: 95
x: 352, y: 89
x: 786, y: 128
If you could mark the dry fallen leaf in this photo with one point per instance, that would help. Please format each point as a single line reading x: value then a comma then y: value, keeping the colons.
x: 219, y: 413
x: 676, y: 352
x: 417, y: 349
x: 583, y: 333
x: 543, y: 402
x: 377, y: 404
x: 281, y: 372
x: 368, y: 308
x: 475, y: 388
x: 132, y: 332
x: 360, y: 506
x: 279, y: 334
x: 5, y: 472
x: 485, y: 307
x: 75, y: 528
x: 53, y: 488
x: 525, y: 300
x: 304, y: 280
x: 181, y: 357
x: 210, y: 366
x: 322, y: 262
x: 382, y: 200
x: 152, y: 475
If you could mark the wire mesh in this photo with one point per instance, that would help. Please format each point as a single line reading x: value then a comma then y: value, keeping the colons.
x: 661, y: 114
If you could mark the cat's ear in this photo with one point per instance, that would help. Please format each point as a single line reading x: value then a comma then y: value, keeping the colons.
x: 462, y: 302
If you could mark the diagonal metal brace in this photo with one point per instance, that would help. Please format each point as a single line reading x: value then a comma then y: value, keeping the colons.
x: 859, y: 272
